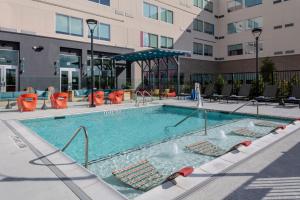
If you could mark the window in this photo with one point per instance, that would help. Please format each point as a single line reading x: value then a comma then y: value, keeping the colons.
x: 166, y: 42
x: 198, y: 25
x: 198, y: 3
x: 236, y: 49
x: 150, y: 40
x: 234, y: 5
x: 150, y: 11
x: 76, y: 27
x: 208, y: 5
x: 102, y: 32
x: 250, y: 47
x: 198, y: 48
x: 166, y: 15
x: 209, y: 28
x: 103, y: 2
x: 250, y: 3
x: 255, y: 23
x: 69, y: 25
x: 235, y: 27
x: 208, y: 50
x: 62, y: 24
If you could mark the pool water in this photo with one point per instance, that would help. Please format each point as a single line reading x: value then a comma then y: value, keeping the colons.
x: 120, y: 131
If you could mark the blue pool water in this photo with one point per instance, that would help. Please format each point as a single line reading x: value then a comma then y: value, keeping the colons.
x: 114, y: 132
x: 111, y: 133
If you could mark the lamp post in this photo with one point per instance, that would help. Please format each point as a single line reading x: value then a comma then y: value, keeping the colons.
x: 92, y: 24
x: 257, y: 32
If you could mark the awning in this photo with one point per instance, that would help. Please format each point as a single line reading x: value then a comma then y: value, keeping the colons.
x: 150, y: 54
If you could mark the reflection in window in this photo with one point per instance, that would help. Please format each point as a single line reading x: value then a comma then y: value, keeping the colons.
x: 198, y: 25
x: 197, y: 48
x: 209, y: 28
x: 250, y: 3
x: 150, y: 40
x: 208, y: 50
x: 236, y: 49
x: 150, y: 11
x: 166, y: 42
x: 69, y: 25
x: 166, y: 15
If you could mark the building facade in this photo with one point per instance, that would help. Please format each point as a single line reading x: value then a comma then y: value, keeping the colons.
x: 47, y: 42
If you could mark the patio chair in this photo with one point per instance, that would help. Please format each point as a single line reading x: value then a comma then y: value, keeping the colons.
x: 226, y: 92
x: 171, y: 93
x: 209, y: 149
x: 243, y: 94
x: 208, y: 92
x: 116, y: 97
x: 295, y: 96
x: 27, y: 102
x: 269, y: 94
x: 59, y: 100
x: 98, y: 98
x: 144, y: 176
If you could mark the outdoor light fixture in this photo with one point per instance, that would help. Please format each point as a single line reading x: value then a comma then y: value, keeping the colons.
x: 92, y: 24
x: 37, y: 48
x: 256, y: 33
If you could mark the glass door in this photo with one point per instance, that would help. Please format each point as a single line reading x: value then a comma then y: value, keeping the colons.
x: 8, y: 78
x: 69, y: 79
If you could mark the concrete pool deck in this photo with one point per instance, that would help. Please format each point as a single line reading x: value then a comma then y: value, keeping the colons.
x: 21, y: 179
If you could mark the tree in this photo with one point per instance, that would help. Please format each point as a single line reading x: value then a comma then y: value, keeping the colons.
x: 267, y: 69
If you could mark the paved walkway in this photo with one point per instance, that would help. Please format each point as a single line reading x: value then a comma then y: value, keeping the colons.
x: 272, y: 174
x: 21, y: 180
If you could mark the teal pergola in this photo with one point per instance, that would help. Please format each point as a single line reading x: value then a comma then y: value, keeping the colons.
x: 151, y: 59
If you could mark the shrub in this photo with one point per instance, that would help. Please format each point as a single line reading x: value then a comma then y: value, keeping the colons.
x: 219, y: 84
x: 267, y: 69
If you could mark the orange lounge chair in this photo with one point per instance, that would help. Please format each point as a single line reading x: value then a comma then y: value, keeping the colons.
x: 27, y: 102
x: 59, y: 100
x: 116, y: 97
x: 171, y: 94
x: 98, y: 98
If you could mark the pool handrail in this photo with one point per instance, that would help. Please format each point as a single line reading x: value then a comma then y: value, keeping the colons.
x: 247, y: 103
x: 86, y: 146
x: 136, y: 100
x: 148, y: 94
x: 190, y: 115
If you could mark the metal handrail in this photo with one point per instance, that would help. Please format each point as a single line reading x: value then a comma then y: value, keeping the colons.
x: 147, y: 93
x: 247, y: 103
x: 136, y: 100
x: 190, y: 115
x: 86, y: 146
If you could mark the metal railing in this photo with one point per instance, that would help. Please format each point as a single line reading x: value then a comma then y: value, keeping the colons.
x: 86, y: 146
x: 148, y: 94
x: 190, y: 115
x: 247, y: 103
x: 136, y: 96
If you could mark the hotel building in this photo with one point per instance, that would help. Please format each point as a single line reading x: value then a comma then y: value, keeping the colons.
x: 47, y: 42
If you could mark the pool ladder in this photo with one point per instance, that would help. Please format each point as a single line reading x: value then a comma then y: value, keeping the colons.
x: 86, y: 146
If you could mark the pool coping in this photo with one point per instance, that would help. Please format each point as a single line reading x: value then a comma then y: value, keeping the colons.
x: 95, y: 187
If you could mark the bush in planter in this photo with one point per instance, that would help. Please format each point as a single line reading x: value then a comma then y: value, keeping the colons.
x: 260, y: 88
x: 236, y: 86
x: 283, y: 86
x: 293, y: 82
x: 219, y: 83
x: 267, y: 69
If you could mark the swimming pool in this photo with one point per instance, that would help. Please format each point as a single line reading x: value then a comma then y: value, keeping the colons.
x: 114, y: 132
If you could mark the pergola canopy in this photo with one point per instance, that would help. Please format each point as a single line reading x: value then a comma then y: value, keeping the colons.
x: 150, y: 54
